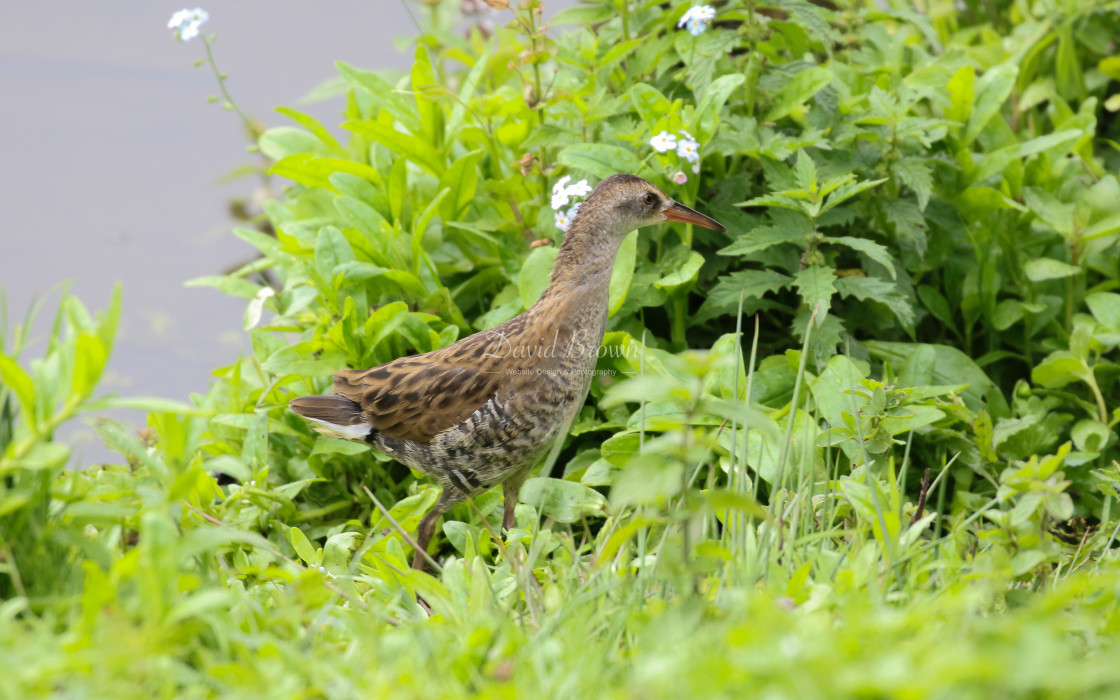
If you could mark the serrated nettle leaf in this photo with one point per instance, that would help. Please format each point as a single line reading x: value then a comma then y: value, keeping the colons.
x: 882, y: 291
x: 764, y: 237
x: 805, y: 173
x: 747, y: 284
x: 871, y: 249
x: 847, y: 191
x: 918, y: 176
x: 815, y: 285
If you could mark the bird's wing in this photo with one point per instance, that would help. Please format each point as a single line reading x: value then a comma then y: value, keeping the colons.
x: 416, y: 398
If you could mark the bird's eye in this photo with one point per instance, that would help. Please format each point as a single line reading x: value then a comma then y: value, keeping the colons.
x: 648, y: 198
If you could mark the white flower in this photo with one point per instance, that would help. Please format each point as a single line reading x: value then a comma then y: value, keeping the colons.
x: 689, y: 150
x: 696, y: 168
x: 563, y: 221
x: 687, y: 135
x: 680, y: 178
x: 256, y: 306
x: 697, y: 18
x: 564, y: 218
x: 185, y: 23
x: 580, y: 189
x: 663, y: 142
x: 562, y: 191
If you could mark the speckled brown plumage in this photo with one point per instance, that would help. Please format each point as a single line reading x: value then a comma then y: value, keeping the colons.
x: 484, y: 410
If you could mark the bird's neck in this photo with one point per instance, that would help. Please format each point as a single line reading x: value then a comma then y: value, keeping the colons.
x: 584, y: 263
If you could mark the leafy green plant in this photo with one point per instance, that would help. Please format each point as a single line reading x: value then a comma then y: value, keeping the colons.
x: 879, y: 412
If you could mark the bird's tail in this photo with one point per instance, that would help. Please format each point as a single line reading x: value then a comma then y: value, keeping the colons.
x: 334, y: 415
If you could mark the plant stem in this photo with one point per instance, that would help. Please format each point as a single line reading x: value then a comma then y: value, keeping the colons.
x: 253, y: 130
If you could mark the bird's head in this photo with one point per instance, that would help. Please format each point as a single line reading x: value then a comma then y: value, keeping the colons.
x: 622, y: 203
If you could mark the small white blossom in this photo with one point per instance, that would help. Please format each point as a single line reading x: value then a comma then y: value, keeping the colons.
x: 680, y: 178
x: 562, y: 192
x: 580, y: 189
x: 185, y: 23
x: 564, y: 218
x: 563, y: 221
x: 687, y: 135
x: 696, y: 19
x: 256, y: 307
x: 663, y: 142
x: 689, y: 150
x: 696, y: 168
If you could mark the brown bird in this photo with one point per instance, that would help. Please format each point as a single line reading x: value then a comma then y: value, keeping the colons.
x: 482, y: 411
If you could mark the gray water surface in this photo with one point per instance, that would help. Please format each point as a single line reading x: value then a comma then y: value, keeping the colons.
x: 111, y: 157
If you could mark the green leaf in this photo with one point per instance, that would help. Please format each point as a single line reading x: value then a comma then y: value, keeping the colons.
x: 871, y: 249
x: 384, y: 95
x: 13, y: 377
x: 882, y: 291
x: 563, y: 501
x: 649, y: 103
x: 747, y: 284
x: 918, y: 176
x: 815, y: 284
x: 89, y: 361
x: 462, y: 181
x: 848, y: 190
x: 992, y: 90
x: 961, y: 87
x: 318, y: 130
x: 415, y: 149
x: 623, y: 273
x: 765, y: 237
x: 1105, y: 227
x: 1050, y: 209
x: 599, y: 159
x: 305, y: 360
x: 798, y: 90
x: 1040, y: 269
x: 45, y: 456
x: 534, y: 276
x: 684, y: 274
x: 1105, y: 307
x: 707, y: 112
x: 922, y: 364
x: 303, y: 546
x: 282, y: 141
x: 1059, y: 369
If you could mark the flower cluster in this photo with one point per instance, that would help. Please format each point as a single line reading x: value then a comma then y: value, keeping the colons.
x: 185, y: 23
x: 687, y: 148
x: 561, y: 194
x: 697, y: 18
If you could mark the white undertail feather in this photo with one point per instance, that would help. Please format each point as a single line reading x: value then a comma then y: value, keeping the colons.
x: 346, y: 432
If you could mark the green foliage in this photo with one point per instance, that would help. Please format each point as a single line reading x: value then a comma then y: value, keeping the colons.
x: 914, y: 441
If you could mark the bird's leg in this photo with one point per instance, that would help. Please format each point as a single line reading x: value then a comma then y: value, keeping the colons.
x: 510, y: 490
x: 426, y: 528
